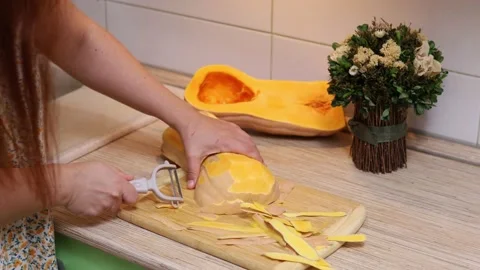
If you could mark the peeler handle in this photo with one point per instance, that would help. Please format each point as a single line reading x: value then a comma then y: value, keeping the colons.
x: 141, y: 185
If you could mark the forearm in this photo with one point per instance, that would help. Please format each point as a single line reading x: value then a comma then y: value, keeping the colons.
x: 18, y: 200
x: 97, y: 59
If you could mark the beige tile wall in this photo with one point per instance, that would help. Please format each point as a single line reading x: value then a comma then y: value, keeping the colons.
x: 286, y: 39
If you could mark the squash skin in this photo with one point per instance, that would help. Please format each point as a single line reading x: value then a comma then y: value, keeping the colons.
x: 270, y: 106
x: 217, y: 191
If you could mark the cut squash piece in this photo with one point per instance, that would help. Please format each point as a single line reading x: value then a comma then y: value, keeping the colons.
x: 271, y: 106
x: 319, y: 263
x: 223, y: 182
x: 294, y: 241
x: 315, y: 214
x: 348, y: 238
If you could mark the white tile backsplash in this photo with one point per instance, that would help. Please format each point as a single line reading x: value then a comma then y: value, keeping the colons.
x: 255, y: 14
x: 94, y: 9
x: 457, y: 112
x: 453, y: 25
x: 299, y: 60
x: 293, y: 44
x: 185, y: 44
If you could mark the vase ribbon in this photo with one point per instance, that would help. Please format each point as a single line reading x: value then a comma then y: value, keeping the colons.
x: 375, y: 135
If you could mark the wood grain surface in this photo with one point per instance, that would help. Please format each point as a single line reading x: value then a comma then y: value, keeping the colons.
x: 424, y: 217
x: 87, y: 120
x: 302, y: 198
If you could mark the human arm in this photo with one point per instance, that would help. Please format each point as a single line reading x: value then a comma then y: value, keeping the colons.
x: 17, y: 199
x: 93, y: 56
x: 85, y: 188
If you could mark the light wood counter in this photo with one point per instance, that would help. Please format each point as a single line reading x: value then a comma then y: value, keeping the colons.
x: 424, y: 217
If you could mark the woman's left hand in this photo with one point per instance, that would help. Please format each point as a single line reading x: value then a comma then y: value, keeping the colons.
x: 204, y: 136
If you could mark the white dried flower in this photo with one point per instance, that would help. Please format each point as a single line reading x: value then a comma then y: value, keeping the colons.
x: 363, y: 55
x: 374, y: 59
x: 423, y: 50
x: 380, y: 33
x: 390, y: 49
x: 339, y: 52
x: 386, y: 61
x: 353, y: 70
x: 424, y: 63
x: 399, y: 65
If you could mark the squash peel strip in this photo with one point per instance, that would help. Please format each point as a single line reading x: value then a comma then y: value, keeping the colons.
x: 256, y: 207
x: 303, y: 226
x: 269, y: 231
x: 294, y: 241
x: 241, y: 236
x: 348, y: 238
x: 225, y: 226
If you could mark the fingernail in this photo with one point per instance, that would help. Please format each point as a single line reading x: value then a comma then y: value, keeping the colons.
x: 191, y: 183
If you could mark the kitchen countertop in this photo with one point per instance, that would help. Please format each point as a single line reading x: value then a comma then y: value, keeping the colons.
x: 424, y: 217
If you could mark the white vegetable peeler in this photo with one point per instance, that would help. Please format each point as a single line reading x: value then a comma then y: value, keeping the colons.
x: 143, y: 185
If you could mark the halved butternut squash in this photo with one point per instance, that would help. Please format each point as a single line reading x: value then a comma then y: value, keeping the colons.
x: 298, y: 108
x: 226, y: 179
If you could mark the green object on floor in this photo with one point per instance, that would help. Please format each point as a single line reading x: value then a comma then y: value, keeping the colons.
x: 76, y: 255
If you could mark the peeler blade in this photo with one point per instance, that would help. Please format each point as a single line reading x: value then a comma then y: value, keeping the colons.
x: 143, y: 185
x: 175, y: 184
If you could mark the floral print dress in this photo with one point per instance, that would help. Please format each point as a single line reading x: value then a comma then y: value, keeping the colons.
x: 29, y: 242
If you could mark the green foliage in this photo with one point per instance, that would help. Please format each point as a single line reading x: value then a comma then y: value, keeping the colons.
x: 398, y: 84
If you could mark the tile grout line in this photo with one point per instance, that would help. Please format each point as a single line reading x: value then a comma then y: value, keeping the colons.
x: 189, y: 16
x: 271, y: 39
x: 271, y: 32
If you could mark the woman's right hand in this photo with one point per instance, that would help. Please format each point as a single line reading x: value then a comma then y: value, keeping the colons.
x: 94, y: 188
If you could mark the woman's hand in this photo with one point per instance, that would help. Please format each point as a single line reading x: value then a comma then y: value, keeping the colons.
x: 93, y: 188
x: 204, y: 136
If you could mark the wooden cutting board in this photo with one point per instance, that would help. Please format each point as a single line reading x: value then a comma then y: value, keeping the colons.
x: 87, y: 120
x: 301, y: 198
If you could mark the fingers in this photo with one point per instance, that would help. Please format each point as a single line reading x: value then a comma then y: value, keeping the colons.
x: 193, y: 171
x: 254, y: 153
x: 124, y: 175
x: 129, y: 195
x: 246, y: 146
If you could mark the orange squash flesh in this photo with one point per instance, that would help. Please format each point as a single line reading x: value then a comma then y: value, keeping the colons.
x: 271, y: 106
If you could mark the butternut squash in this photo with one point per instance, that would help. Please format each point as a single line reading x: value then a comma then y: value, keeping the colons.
x: 224, y: 183
x: 278, y: 107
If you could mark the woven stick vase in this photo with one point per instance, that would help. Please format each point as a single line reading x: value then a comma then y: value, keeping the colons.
x: 379, y: 146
